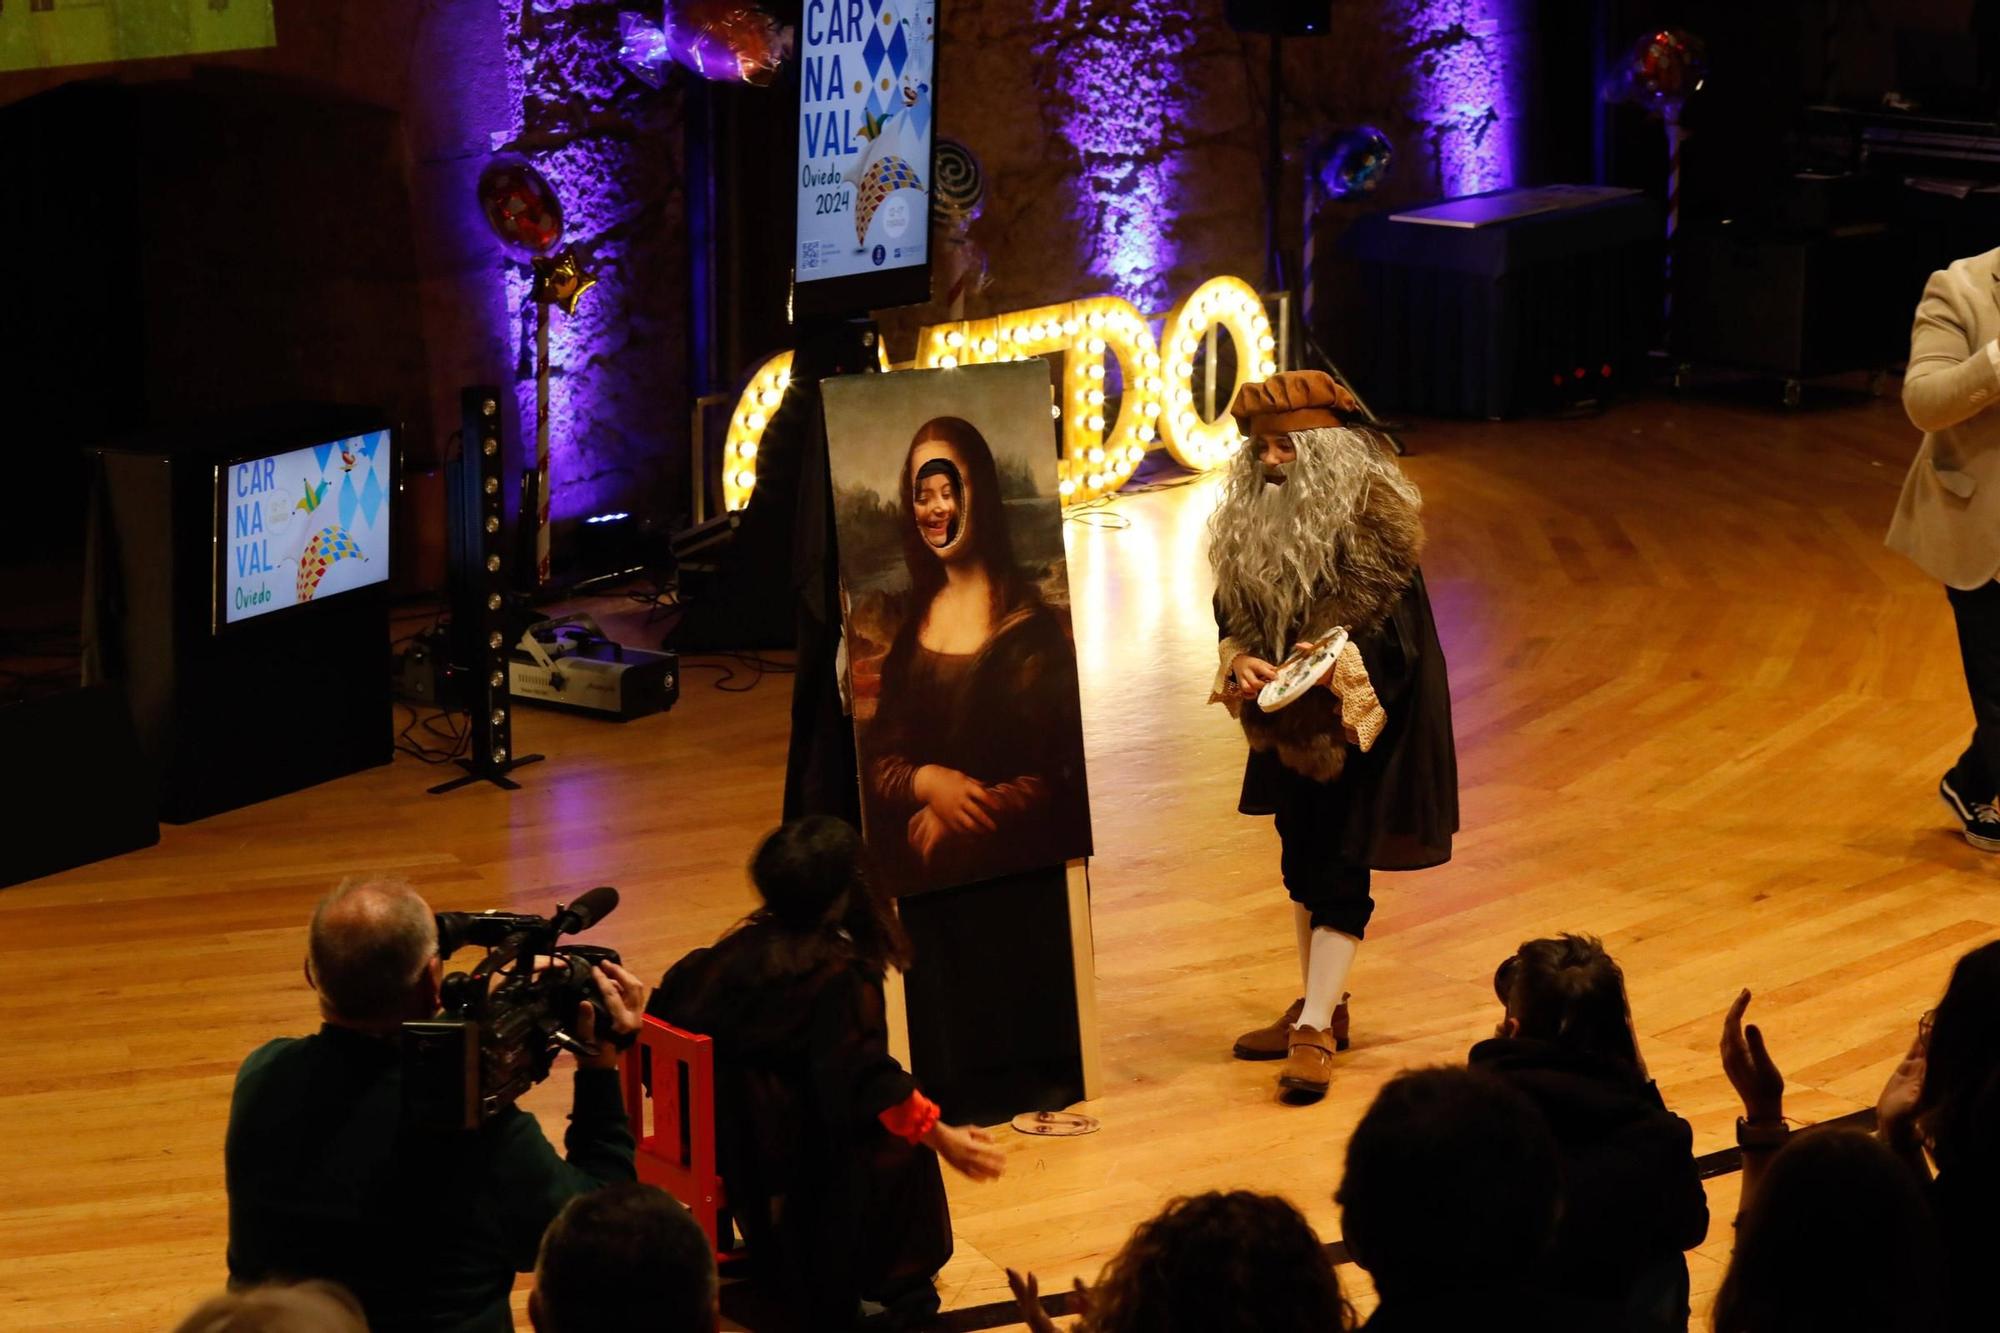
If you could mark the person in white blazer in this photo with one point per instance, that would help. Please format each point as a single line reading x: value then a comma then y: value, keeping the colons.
x: 1948, y: 517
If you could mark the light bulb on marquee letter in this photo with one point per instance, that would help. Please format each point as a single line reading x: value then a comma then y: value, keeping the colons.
x: 762, y: 395
x: 1086, y: 333
x: 766, y: 386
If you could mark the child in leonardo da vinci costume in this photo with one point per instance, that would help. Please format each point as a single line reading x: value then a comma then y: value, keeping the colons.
x: 1318, y: 530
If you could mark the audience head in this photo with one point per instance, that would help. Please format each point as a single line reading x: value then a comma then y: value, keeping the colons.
x: 626, y: 1257
x: 372, y: 954
x: 812, y: 876
x: 1567, y: 990
x: 1838, y: 1236
x: 309, y: 1307
x: 1220, y: 1263
x: 1958, y: 1110
x: 1451, y: 1184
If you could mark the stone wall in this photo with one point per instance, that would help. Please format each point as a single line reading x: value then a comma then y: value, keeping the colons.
x: 468, y: 77
x: 1123, y: 141
x: 612, y: 147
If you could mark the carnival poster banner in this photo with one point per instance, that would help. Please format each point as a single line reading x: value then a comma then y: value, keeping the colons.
x: 956, y: 611
x: 48, y: 34
x: 865, y: 127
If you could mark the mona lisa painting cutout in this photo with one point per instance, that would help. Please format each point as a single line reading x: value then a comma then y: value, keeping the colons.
x: 961, y: 661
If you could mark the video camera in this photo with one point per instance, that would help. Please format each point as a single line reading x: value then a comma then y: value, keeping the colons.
x: 504, y: 1021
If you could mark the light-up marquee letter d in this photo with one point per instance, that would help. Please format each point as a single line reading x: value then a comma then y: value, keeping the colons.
x: 1096, y: 458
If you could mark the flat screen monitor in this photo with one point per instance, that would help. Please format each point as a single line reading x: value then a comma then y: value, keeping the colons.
x: 867, y: 111
x: 302, y: 525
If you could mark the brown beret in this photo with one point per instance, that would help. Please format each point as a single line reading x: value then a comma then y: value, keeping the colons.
x: 1291, y: 400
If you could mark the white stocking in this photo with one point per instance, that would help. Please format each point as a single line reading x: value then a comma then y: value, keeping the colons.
x: 1302, y: 926
x: 1332, y: 956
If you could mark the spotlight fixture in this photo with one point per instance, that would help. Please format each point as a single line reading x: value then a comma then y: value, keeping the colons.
x: 477, y: 581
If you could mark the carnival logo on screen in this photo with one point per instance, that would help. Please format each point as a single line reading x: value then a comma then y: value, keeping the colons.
x: 307, y: 524
x: 865, y: 123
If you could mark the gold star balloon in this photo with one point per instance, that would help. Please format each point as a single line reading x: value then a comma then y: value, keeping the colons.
x: 562, y: 280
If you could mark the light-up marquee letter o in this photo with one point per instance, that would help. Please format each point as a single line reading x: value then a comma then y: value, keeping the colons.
x: 1231, y: 304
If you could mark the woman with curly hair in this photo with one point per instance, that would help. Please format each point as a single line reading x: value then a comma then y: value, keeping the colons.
x: 1213, y: 1263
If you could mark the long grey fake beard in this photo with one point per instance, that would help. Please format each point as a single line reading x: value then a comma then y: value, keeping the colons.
x: 1276, y: 549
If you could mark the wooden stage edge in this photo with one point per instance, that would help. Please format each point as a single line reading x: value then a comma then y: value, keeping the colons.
x: 1701, y: 712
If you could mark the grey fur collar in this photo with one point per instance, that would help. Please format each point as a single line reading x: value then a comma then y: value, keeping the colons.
x: 1378, y: 561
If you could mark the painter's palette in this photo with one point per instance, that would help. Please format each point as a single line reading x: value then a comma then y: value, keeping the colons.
x: 1301, y: 672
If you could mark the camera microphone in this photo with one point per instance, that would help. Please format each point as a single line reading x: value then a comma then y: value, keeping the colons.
x: 589, y: 908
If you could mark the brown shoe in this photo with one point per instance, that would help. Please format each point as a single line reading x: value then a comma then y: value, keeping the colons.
x: 1309, y: 1065
x: 1273, y: 1040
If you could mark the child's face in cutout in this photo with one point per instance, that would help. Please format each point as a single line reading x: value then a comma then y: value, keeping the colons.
x: 937, y: 510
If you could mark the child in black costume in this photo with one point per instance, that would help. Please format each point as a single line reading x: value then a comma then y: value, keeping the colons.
x: 827, y: 1149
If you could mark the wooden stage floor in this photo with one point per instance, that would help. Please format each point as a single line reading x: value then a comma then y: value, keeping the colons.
x: 1701, y: 712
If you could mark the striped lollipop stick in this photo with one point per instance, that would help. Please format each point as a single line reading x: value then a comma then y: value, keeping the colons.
x: 1675, y: 138
x: 541, y: 443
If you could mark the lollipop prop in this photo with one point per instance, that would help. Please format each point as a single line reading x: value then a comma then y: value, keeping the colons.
x: 726, y: 40
x: 1665, y: 68
x: 644, y: 50
x: 521, y: 207
x: 956, y: 195
x: 1350, y: 163
x: 524, y: 212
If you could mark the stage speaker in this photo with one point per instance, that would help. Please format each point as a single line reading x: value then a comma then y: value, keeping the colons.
x: 81, y: 790
x: 1796, y: 305
x: 1280, y: 18
x: 476, y: 579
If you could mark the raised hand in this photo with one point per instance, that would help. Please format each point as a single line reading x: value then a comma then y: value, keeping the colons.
x: 1749, y: 1066
x: 1896, y: 1108
x: 1028, y: 1301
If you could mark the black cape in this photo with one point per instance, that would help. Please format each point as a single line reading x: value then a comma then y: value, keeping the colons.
x: 833, y: 1207
x: 1396, y: 805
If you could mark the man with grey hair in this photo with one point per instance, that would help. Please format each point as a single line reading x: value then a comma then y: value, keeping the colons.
x: 1317, y: 532
x: 327, y: 1180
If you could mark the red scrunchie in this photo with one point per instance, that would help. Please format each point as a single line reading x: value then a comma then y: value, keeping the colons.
x: 912, y: 1118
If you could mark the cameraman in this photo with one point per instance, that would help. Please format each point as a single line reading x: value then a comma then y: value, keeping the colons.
x: 325, y: 1180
